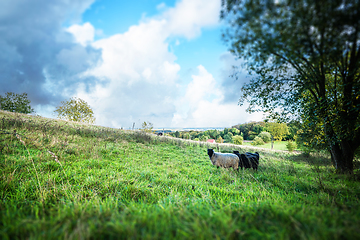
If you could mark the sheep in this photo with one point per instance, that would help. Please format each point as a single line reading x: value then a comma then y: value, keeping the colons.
x: 254, y: 159
x: 225, y: 160
x: 248, y: 160
x: 243, y: 160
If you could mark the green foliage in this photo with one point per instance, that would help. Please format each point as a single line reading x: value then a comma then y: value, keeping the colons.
x: 257, y: 141
x: 63, y: 180
x: 186, y: 136
x: 219, y: 140
x: 291, y: 146
x: 14, y: 102
x: 147, y: 127
x: 294, y: 126
x: 277, y: 130
x: 228, y: 138
x: 177, y: 134
x: 204, y: 138
x: 75, y: 109
x: 250, y: 130
x: 265, y: 136
x: 313, y: 75
x: 235, y: 131
x: 238, y: 139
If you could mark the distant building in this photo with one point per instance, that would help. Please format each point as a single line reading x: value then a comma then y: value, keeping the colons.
x: 211, y: 141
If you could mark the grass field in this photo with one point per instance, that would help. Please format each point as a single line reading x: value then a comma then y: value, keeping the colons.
x: 62, y: 180
x: 278, y: 145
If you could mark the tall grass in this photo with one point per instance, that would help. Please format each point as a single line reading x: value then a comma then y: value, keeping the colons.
x: 75, y: 181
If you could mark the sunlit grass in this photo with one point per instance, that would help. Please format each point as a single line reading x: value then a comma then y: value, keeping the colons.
x: 108, y: 183
x: 278, y: 145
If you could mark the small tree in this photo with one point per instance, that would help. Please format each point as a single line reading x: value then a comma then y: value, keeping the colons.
x: 291, y: 146
x: 14, y: 102
x: 228, y: 137
x: 265, y: 136
x: 186, y: 136
x: 219, y: 140
x: 75, y: 109
x: 238, y: 139
x: 277, y: 130
x: 147, y: 126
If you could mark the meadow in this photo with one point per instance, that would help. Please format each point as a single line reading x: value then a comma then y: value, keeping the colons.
x: 64, y: 180
x: 278, y: 145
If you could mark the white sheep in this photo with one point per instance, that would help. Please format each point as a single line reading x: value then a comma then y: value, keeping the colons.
x: 225, y: 160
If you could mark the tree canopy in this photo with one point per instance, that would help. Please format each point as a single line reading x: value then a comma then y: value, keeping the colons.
x: 304, y: 56
x: 14, y: 102
x: 75, y: 109
x: 277, y: 130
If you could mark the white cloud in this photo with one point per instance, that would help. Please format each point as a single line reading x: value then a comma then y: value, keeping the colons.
x: 83, y: 34
x: 140, y: 73
x: 37, y: 55
x: 188, y: 17
x: 205, y: 107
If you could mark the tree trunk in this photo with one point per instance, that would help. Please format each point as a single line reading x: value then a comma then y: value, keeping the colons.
x: 342, y: 156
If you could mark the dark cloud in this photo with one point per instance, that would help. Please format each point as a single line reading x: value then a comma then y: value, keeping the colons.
x: 230, y: 85
x: 37, y: 55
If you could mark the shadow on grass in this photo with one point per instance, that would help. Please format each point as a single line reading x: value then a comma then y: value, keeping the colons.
x: 315, y: 159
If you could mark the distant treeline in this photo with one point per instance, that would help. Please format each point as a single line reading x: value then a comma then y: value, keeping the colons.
x: 248, y: 131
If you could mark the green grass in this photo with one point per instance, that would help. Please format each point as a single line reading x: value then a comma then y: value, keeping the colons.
x: 278, y: 145
x: 107, y: 183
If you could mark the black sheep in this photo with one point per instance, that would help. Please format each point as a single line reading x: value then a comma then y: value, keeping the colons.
x: 243, y: 160
x: 248, y: 160
x: 254, y: 159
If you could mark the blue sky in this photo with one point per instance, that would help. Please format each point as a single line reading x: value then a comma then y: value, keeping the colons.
x: 132, y: 61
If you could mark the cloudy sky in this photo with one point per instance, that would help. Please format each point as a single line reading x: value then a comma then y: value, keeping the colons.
x: 132, y: 61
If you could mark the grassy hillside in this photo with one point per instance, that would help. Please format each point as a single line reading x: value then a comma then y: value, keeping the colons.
x: 62, y: 180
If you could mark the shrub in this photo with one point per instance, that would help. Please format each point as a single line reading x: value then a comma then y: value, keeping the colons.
x: 219, y: 140
x: 265, y: 136
x: 238, y: 139
x: 291, y: 146
x: 257, y: 141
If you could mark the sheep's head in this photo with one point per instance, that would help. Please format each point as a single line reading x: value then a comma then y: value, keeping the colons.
x: 210, y: 152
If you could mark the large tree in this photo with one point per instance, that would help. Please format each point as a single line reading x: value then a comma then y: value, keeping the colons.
x: 304, y: 56
x: 14, y: 102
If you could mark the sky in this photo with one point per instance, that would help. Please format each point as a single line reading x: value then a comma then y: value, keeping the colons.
x: 158, y: 61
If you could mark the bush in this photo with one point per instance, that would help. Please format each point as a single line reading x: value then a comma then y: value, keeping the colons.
x: 219, y: 140
x: 265, y: 136
x: 257, y: 141
x: 238, y: 139
x: 291, y: 146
